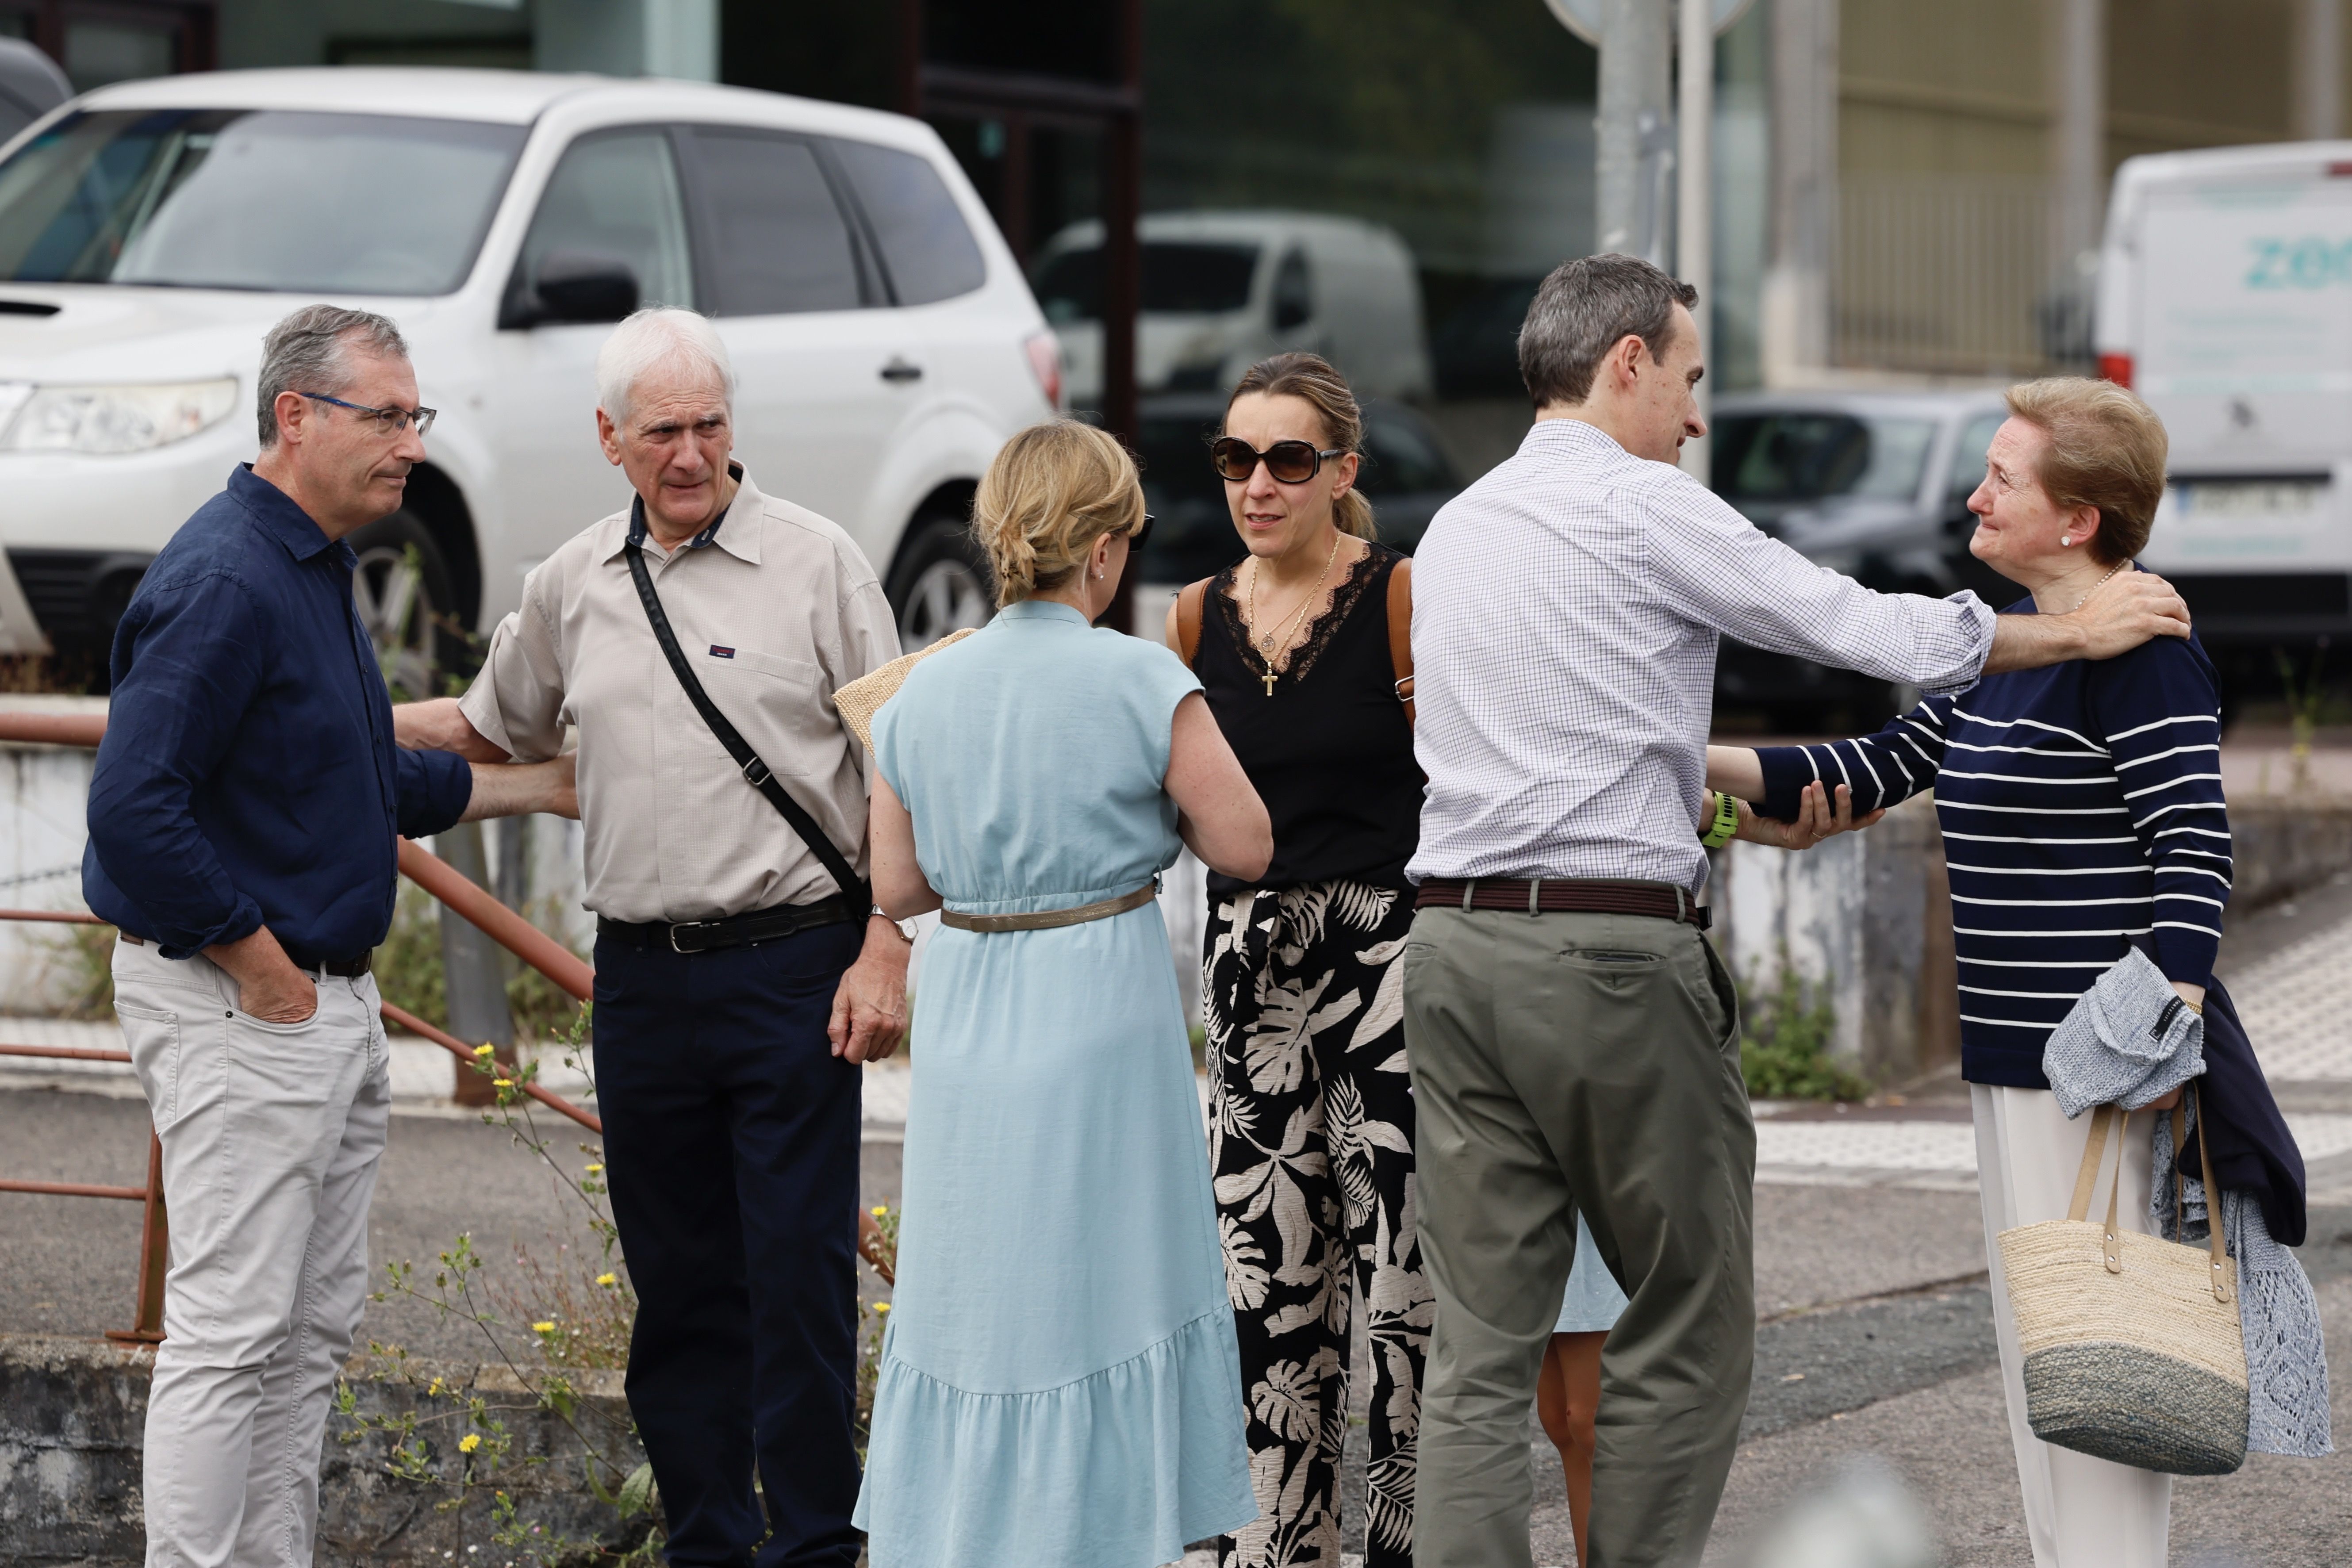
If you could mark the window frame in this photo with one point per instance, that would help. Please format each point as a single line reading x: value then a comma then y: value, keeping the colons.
x: 517, y: 287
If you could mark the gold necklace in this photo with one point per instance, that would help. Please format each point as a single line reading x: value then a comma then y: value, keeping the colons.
x: 2097, y: 585
x: 1268, y: 644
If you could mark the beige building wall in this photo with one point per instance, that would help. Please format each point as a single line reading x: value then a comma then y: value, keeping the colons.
x: 1952, y: 255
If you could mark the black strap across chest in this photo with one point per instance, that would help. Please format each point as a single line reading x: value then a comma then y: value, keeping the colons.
x: 755, y: 773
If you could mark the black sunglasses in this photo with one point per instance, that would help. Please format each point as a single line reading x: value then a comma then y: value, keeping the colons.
x: 1142, y: 535
x: 1290, y: 462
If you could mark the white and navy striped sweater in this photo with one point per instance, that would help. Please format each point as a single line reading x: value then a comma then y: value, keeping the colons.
x: 2081, y: 813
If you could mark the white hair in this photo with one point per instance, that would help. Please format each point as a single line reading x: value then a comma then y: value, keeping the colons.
x: 656, y: 339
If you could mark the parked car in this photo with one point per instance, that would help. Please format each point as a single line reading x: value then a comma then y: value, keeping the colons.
x: 1405, y: 474
x: 2225, y: 299
x: 150, y: 233
x: 1224, y: 290
x: 1872, y: 484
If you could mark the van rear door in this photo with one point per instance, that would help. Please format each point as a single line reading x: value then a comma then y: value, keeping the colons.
x: 2245, y: 350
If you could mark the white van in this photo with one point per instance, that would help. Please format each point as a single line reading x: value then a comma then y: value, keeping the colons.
x: 150, y: 232
x: 2225, y: 299
x: 1224, y: 290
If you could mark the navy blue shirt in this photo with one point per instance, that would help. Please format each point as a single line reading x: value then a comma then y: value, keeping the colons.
x: 2083, y: 814
x: 248, y: 775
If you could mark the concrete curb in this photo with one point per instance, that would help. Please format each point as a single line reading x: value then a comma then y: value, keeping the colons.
x: 72, y: 1413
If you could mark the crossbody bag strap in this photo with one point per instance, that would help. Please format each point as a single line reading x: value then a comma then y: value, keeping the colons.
x: 1188, y: 610
x: 1401, y: 632
x: 755, y: 773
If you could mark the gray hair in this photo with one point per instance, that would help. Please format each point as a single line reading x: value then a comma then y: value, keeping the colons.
x: 656, y: 339
x: 311, y: 351
x: 1588, y: 307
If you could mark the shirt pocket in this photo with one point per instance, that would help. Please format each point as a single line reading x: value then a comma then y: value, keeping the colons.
x: 737, y: 659
x: 777, y: 702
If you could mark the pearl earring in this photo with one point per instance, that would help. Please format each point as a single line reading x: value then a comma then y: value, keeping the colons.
x: 2066, y: 539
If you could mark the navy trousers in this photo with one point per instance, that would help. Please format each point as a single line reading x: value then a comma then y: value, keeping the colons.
x: 731, y: 1145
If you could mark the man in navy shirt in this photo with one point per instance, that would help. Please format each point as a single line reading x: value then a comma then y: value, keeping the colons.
x: 244, y: 827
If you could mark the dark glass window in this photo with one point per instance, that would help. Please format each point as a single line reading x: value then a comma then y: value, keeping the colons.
x: 302, y: 202
x: 1294, y: 293
x: 1969, y: 457
x: 1401, y: 455
x: 1178, y: 279
x: 929, y: 253
x: 1804, y: 457
x: 779, y: 242
x: 615, y: 195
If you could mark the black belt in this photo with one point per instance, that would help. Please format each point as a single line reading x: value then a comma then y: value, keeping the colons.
x: 348, y: 968
x: 1563, y: 896
x: 735, y: 930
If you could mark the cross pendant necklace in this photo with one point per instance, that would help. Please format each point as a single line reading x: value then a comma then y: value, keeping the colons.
x: 1271, y: 641
x: 1269, y: 678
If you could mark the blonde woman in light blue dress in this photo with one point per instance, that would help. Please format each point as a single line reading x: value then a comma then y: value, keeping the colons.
x: 1568, y: 1390
x: 1060, y: 1385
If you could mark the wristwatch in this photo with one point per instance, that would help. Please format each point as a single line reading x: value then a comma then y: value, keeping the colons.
x: 906, y: 928
x: 1723, y: 822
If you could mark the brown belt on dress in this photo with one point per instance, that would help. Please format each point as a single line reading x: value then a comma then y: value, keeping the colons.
x: 1049, y: 919
x: 1563, y: 896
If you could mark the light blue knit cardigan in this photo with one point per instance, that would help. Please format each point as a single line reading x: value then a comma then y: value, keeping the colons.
x: 2127, y: 1041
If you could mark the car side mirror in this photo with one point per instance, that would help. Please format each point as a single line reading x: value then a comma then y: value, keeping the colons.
x: 576, y: 285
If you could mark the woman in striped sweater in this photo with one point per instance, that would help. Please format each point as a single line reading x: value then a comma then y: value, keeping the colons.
x: 2082, y: 814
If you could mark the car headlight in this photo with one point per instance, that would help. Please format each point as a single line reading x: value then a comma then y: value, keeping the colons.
x: 112, y: 419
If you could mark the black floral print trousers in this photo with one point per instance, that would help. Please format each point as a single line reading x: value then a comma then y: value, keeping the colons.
x: 1310, y: 1138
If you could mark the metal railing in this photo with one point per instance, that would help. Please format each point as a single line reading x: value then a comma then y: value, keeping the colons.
x: 1953, y: 275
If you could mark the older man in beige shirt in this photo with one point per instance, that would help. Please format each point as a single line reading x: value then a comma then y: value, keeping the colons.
x: 739, y: 984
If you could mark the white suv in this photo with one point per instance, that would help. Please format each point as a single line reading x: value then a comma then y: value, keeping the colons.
x: 150, y: 232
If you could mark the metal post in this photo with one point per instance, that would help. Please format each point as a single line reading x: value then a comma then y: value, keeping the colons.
x: 474, y: 976
x: 2318, y: 69
x: 1694, y: 213
x: 1796, y: 314
x: 1123, y: 269
x: 2078, y: 149
x: 1635, y: 151
x: 154, y: 1257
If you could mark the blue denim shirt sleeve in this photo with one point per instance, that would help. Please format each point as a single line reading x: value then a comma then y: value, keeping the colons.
x: 200, y: 651
x: 433, y: 789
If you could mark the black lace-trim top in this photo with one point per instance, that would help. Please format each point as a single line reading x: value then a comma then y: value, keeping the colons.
x: 1330, y: 751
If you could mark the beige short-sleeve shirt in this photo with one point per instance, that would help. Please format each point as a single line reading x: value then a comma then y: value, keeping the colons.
x: 775, y: 609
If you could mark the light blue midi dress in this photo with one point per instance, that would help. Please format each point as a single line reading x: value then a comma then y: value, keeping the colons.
x: 1593, y: 1300
x: 1059, y: 1381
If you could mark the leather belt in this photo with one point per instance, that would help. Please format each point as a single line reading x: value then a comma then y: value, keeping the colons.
x: 754, y: 926
x: 1050, y: 920
x: 346, y: 968
x: 1563, y: 896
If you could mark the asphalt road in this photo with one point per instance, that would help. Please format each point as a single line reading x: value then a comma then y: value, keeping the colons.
x: 1875, y: 1335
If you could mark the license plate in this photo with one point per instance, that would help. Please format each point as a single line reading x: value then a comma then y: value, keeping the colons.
x: 2251, y: 500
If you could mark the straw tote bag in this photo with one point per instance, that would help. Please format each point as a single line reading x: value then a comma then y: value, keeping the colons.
x: 2132, y: 1346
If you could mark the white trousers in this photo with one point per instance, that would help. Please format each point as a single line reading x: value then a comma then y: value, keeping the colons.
x: 2080, y: 1512
x: 271, y: 1135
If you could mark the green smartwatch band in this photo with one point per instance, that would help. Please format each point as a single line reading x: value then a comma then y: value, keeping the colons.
x: 1725, y: 823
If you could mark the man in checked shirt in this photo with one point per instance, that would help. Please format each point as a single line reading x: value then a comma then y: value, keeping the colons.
x: 1573, y: 1038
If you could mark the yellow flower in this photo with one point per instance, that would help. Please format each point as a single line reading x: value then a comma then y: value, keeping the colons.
x: 608, y: 1280
x: 434, y: 1388
x: 595, y: 1168
x: 502, y: 1082
x: 469, y: 1442
x: 881, y: 1211
x: 881, y: 1307
x: 485, y: 1049
x: 543, y: 1328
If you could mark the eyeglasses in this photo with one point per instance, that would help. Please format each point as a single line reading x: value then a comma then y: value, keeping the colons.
x: 1290, y: 462
x: 388, y: 421
x: 1142, y: 535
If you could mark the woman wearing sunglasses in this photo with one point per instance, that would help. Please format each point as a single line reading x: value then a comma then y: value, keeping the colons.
x: 1299, y: 648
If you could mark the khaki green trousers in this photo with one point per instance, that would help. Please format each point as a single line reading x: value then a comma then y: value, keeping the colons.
x: 1565, y: 1063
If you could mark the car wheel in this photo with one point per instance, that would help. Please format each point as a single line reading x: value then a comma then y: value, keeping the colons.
x: 402, y: 592
x: 941, y: 584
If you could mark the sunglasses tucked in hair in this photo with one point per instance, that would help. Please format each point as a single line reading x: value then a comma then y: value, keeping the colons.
x: 1291, y: 462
